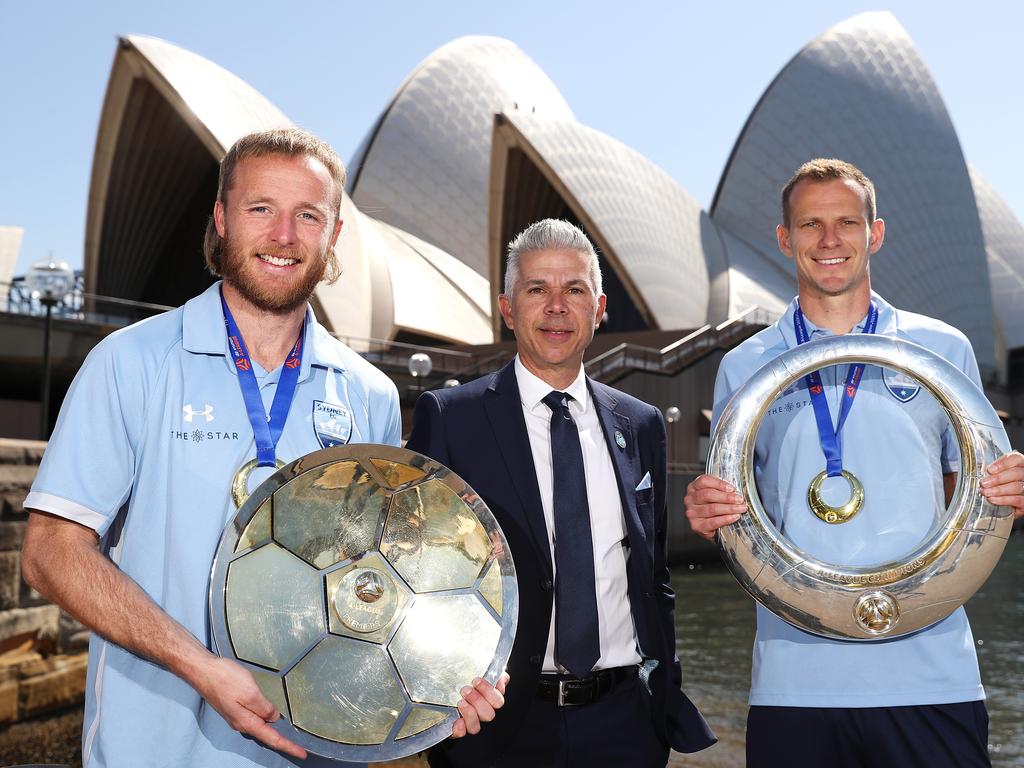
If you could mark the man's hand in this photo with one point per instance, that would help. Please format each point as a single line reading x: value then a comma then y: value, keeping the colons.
x: 61, y: 559
x: 711, y: 503
x: 1004, y: 485
x: 231, y: 689
x: 478, y: 704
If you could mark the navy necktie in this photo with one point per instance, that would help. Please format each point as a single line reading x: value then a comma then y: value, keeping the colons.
x: 577, y: 641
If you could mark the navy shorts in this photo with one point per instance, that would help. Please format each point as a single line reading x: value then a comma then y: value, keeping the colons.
x: 927, y: 736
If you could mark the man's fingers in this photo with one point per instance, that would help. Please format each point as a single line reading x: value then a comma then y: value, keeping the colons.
x: 724, y: 510
x: 480, y: 702
x: 1005, y: 462
x: 1005, y: 490
x: 261, y: 706
x: 253, y: 725
x: 469, y: 716
x: 715, y: 496
x: 707, y: 526
x: 494, y: 698
x: 1011, y: 474
x: 459, y: 729
x: 712, y: 511
x: 1016, y: 501
x: 710, y: 482
x: 502, y: 683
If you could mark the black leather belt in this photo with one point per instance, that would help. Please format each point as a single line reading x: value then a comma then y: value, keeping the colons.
x: 568, y: 691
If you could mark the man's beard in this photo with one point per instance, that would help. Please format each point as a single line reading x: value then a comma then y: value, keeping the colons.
x: 262, y: 293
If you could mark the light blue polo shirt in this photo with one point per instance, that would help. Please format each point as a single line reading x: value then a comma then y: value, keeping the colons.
x: 898, y: 442
x: 149, y: 437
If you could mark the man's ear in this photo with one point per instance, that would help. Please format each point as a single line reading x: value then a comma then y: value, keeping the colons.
x: 877, y: 236
x: 782, y: 235
x: 218, y: 217
x: 337, y: 231
x: 505, y: 307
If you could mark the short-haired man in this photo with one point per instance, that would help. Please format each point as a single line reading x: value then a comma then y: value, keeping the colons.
x: 916, y: 700
x: 134, y: 488
x: 574, y: 472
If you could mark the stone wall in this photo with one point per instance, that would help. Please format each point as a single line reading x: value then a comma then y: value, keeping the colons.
x: 42, y: 649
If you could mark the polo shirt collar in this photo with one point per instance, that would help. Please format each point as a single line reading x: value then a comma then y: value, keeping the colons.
x: 533, y: 389
x: 886, y: 322
x: 204, y: 333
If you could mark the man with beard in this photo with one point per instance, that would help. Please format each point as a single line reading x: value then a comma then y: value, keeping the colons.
x: 134, y: 489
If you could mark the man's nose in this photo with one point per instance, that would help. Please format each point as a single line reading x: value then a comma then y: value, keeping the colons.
x: 283, y: 231
x: 556, y: 304
x: 829, y: 236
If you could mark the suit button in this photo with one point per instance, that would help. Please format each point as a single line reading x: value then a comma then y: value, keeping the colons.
x: 536, y: 658
x: 546, y: 585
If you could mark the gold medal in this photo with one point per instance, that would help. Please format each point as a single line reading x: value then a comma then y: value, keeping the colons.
x: 240, y: 483
x: 842, y: 513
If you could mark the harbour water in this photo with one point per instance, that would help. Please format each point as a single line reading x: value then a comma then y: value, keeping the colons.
x: 715, y: 631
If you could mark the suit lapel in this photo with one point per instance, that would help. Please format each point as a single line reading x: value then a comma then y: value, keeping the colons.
x: 625, y: 459
x: 505, y: 412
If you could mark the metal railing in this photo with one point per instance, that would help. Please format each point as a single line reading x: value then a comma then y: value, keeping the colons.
x: 395, y: 354
x: 79, y: 304
x: 626, y: 357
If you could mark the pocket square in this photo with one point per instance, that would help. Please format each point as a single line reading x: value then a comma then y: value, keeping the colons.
x: 645, y: 483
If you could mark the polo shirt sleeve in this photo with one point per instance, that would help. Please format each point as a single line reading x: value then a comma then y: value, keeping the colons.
x: 725, y: 386
x: 87, y: 469
x: 386, y: 418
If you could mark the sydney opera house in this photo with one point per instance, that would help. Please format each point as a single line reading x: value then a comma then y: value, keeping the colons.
x: 477, y: 142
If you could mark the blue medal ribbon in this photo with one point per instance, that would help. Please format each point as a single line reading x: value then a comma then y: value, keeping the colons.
x: 829, y: 436
x: 267, y: 430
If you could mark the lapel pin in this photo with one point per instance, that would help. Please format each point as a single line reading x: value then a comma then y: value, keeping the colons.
x: 620, y: 440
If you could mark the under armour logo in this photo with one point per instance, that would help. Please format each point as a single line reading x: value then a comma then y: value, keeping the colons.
x: 207, y: 413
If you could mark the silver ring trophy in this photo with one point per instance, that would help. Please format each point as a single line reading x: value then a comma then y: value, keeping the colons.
x: 363, y: 586
x: 876, y: 602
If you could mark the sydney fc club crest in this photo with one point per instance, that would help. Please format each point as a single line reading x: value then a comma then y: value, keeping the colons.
x: 332, y: 423
x: 900, y: 386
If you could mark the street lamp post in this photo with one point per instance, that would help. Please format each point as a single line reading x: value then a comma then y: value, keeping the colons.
x: 672, y: 416
x: 49, y: 282
x: 420, y: 366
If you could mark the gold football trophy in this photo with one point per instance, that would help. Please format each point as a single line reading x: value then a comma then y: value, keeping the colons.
x: 364, y: 586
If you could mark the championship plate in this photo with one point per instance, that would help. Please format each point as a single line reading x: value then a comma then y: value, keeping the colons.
x: 363, y: 586
x: 889, y: 599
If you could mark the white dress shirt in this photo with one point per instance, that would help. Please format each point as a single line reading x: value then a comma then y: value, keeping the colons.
x: 607, y: 525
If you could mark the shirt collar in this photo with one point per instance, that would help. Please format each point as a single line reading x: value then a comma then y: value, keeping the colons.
x: 886, y: 322
x: 204, y: 333
x: 533, y: 389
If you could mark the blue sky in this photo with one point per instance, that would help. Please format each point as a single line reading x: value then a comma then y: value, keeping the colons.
x: 674, y: 80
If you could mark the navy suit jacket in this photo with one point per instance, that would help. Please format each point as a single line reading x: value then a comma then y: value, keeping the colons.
x: 478, y: 431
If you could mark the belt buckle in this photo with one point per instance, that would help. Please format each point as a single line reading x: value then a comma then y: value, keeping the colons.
x: 560, y: 700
